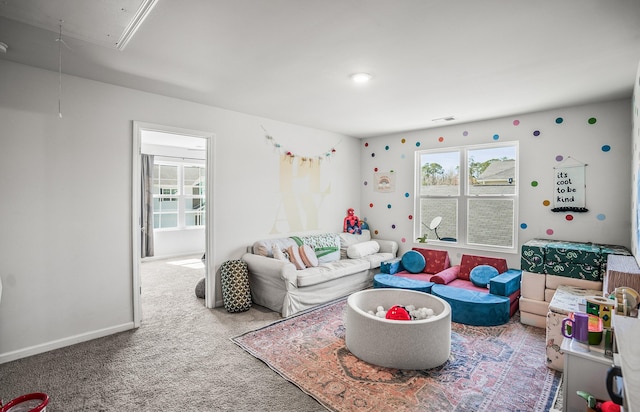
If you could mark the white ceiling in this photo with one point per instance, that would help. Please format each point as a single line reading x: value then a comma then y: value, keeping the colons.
x: 290, y: 60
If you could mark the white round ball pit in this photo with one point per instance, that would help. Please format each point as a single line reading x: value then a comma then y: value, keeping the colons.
x: 400, y: 344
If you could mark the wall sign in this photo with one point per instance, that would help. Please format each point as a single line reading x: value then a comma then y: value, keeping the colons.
x: 569, y: 188
x: 384, y: 182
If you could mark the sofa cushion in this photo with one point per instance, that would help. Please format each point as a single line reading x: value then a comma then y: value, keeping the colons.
x: 436, y: 260
x: 482, y: 274
x: 376, y: 259
x: 446, y: 276
x: 413, y: 261
x: 308, y: 256
x: 329, y: 271
x: 358, y: 250
x: 468, y: 262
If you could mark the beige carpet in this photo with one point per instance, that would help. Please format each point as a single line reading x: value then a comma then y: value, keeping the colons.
x: 180, y: 359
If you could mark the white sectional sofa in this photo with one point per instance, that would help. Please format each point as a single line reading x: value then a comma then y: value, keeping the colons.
x: 346, y: 264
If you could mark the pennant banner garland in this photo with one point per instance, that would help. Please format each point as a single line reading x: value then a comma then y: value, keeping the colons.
x: 303, y: 158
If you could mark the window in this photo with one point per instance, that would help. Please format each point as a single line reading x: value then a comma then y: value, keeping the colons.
x: 178, y: 195
x: 468, y: 196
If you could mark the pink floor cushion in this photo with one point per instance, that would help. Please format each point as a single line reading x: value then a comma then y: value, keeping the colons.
x: 436, y: 260
x: 446, y: 276
x: 482, y: 274
x: 468, y: 262
x: 413, y: 261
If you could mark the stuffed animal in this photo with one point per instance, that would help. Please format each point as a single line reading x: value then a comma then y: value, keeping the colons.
x: 352, y: 222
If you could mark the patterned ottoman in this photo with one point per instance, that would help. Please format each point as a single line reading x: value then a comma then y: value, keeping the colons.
x: 566, y: 299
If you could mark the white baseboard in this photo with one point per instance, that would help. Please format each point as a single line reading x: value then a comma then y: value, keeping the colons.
x: 61, y: 343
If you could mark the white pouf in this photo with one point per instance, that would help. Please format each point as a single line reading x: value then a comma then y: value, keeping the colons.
x: 401, y: 344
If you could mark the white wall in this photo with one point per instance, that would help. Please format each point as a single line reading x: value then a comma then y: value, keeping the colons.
x: 608, y: 182
x: 635, y: 168
x: 65, y: 239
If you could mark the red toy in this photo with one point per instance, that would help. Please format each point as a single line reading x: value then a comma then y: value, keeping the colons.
x: 398, y: 313
x: 352, y: 222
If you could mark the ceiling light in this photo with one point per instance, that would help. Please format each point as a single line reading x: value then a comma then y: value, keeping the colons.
x: 3, y: 47
x: 361, y: 77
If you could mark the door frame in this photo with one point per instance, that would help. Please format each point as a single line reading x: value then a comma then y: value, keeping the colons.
x: 136, y: 220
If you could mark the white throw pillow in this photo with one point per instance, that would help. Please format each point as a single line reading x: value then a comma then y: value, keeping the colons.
x: 363, y: 249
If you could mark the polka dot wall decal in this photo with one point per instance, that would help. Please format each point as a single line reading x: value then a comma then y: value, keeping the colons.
x: 410, y: 217
x: 549, y: 232
x: 496, y: 137
x: 376, y: 232
x: 606, y: 148
x: 592, y: 120
x: 546, y: 203
x: 386, y: 148
x: 389, y: 206
x: 441, y: 139
x: 403, y: 240
x: 373, y: 155
x: 465, y: 133
x: 516, y: 122
x: 536, y: 133
x: 534, y: 183
x: 365, y: 183
x: 402, y: 156
x: 366, y: 144
x: 407, y: 194
x: 601, y: 217
x: 370, y: 204
x: 523, y: 226
x: 403, y: 141
x: 559, y: 120
x: 393, y: 226
x: 417, y: 144
x: 375, y: 169
x: 559, y: 158
x: 569, y: 217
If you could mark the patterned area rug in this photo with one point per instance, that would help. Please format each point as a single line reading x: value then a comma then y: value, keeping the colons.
x: 498, y: 368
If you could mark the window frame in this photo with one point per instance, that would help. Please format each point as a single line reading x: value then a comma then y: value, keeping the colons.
x: 180, y: 194
x: 463, y: 199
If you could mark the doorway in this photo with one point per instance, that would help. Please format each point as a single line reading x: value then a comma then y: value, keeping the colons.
x: 177, y: 165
